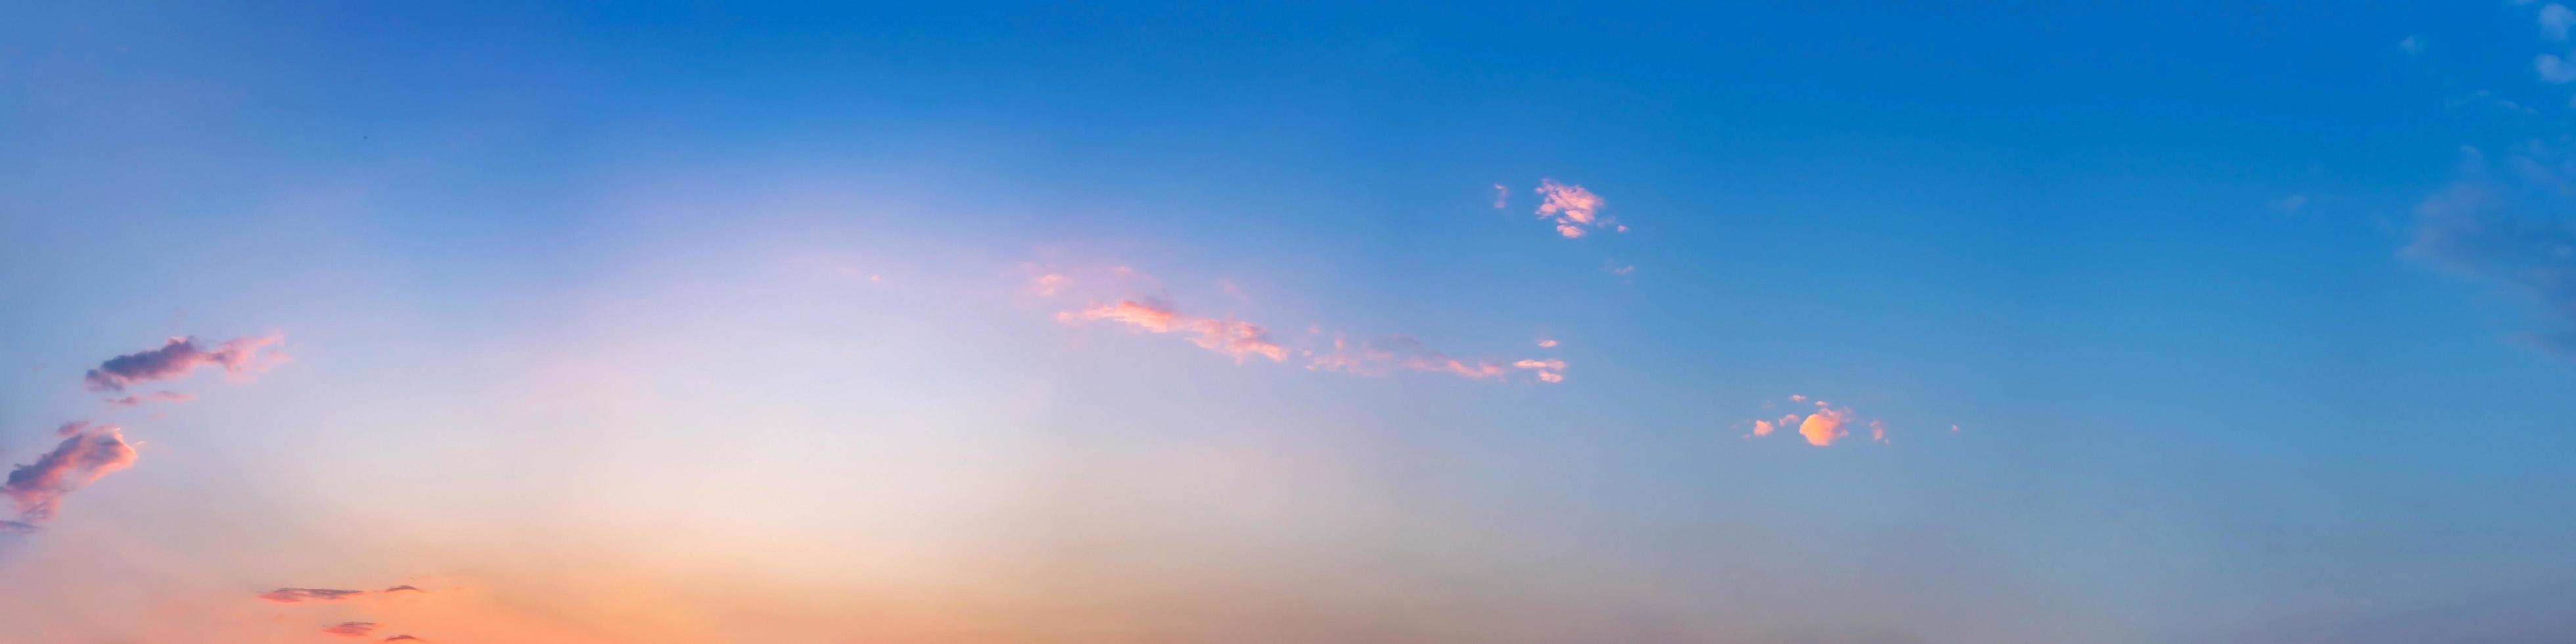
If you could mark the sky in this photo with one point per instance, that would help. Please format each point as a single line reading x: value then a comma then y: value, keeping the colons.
x: 1874, y: 323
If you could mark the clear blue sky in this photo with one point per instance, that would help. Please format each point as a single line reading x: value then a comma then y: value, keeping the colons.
x: 2257, y: 321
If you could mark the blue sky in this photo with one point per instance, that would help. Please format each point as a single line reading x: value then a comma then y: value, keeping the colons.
x: 2253, y: 320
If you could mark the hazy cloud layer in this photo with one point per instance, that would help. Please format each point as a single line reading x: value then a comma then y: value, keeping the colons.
x: 153, y: 397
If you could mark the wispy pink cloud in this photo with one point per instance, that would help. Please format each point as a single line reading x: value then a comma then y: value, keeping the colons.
x: 1402, y: 353
x: 402, y: 638
x: 1546, y: 344
x: 1502, y: 197
x: 1231, y: 337
x: 179, y: 357
x: 1573, y: 208
x: 36, y: 489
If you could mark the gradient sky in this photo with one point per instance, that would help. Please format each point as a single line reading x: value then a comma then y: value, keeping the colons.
x: 955, y: 322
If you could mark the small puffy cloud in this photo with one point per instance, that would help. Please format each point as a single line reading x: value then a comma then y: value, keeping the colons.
x: 1546, y: 344
x: 1822, y: 427
x: 2553, y: 69
x: 36, y: 489
x: 351, y: 629
x: 179, y: 357
x: 1231, y: 337
x: 1571, y: 206
x: 1502, y: 197
x: 157, y: 396
x: 70, y: 428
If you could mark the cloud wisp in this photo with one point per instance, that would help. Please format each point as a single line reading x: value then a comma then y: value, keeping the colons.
x: 302, y: 595
x: 141, y: 399
x: 1245, y: 340
x: 179, y: 357
x: 36, y: 489
x: 350, y: 629
x: 1237, y: 338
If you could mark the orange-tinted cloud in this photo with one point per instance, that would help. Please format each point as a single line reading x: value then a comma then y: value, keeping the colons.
x: 1231, y: 337
x: 1546, y: 344
x: 179, y: 357
x: 36, y: 489
x: 351, y: 629
x: 1822, y: 427
x: 157, y: 396
x: 1573, y: 207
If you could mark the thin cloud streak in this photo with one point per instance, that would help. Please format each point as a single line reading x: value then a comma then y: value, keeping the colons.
x: 179, y: 357
x: 351, y: 629
x: 1231, y: 337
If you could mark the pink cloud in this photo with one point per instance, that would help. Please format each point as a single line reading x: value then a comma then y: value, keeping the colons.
x: 351, y: 629
x: 402, y: 638
x: 36, y: 489
x: 1401, y: 353
x: 1547, y: 344
x: 1762, y: 428
x: 1572, y: 206
x: 179, y: 357
x: 1231, y: 337
x: 1502, y: 196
